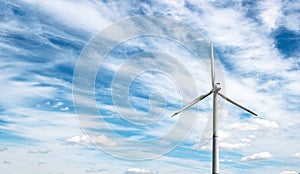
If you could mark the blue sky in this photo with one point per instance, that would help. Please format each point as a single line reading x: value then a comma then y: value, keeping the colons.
x: 41, y: 44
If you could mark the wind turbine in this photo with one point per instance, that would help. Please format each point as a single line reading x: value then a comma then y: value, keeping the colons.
x: 215, y: 91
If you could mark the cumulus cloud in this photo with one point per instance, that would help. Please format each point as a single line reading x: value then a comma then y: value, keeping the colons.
x: 58, y: 104
x: 87, y: 140
x: 6, y: 162
x: 243, y: 144
x: 40, y: 163
x: 296, y: 155
x: 42, y: 151
x: 248, y: 139
x: 138, y: 171
x: 226, y: 160
x: 223, y: 135
x: 254, y: 124
x: 233, y: 146
x: 201, y: 147
x: 95, y: 170
x: 288, y: 172
x: 3, y: 149
x: 258, y: 156
x: 64, y: 109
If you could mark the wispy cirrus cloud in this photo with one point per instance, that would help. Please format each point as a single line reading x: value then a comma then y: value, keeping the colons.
x: 87, y: 140
x: 270, y: 13
x: 81, y: 14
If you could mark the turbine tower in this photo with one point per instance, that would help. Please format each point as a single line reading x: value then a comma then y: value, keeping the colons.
x: 215, y: 91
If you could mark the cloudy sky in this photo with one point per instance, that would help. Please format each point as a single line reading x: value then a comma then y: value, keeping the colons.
x: 89, y: 86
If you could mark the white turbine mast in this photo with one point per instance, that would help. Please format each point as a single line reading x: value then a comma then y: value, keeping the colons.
x: 215, y: 91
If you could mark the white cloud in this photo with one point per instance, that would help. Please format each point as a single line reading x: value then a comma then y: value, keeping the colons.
x: 270, y: 13
x: 296, y: 155
x: 40, y: 163
x: 226, y: 160
x: 6, y: 162
x: 18, y: 92
x: 3, y: 149
x: 254, y: 124
x: 87, y: 140
x: 102, y: 139
x: 78, y: 139
x: 138, y: 171
x: 79, y: 14
x: 291, y: 18
x: 265, y: 124
x: 223, y: 135
x: 258, y: 156
x: 64, y: 109
x: 249, y: 42
x: 246, y: 140
x: 43, y: 151
x: 95, y: 170
x: 233, y: 146
x: 288, y: 172
x: 201, y: 147
x: 58, y: 104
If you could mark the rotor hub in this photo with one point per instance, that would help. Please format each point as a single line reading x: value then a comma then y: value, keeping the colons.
x: 217, y: 87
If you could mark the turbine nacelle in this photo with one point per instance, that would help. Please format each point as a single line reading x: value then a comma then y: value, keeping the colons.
x: 217, y: 87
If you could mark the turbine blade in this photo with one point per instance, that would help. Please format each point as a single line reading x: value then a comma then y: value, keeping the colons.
x: 207, y: 131
x: 212, y: 64
x: 201, y: 97
x: 233, y: 102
